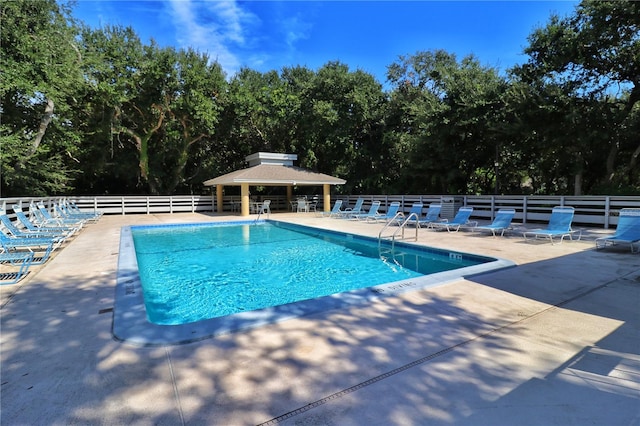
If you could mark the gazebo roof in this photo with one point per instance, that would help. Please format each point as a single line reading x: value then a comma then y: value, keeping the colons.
x: 274, y: 175
x: 274, y: 170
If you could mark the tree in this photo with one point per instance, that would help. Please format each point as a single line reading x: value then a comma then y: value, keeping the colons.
x: 173, y: 106
x: 595, y: 56
x: 193, y: 112
x: 40, y: 62
x: 112, y: 60
x: 340, y: 116
x: 446, y: 119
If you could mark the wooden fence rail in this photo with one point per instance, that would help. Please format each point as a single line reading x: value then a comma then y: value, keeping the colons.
x: 595, y: 211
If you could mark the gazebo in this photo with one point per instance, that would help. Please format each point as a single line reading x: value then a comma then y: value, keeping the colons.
x: 272, y: 169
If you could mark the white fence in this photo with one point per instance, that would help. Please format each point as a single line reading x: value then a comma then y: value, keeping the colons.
x: 596, y: 211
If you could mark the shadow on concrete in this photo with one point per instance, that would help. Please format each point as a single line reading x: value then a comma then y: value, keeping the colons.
x: 420, y: 359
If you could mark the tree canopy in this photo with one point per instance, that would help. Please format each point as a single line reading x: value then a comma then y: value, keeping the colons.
x: 96, y: 111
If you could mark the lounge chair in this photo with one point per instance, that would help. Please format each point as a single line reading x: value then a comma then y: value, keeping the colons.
x: 349, y: 211
x: 500, y: 223
x: 44, y: 218
x: 387, y: 217
x: 432, y: 216
x: 335, y: 211
x: 13, y: 229
x: 73, y: 208
x: 412, y: 217
x: 627, y: 231
x: 372, y: 213
x: 22, y: 260
x: 28, y: 224
x: 559, y: 226
x: 17, y: 245
x: 65, y: 211
x: 461, y: 219
x: 62, y: 213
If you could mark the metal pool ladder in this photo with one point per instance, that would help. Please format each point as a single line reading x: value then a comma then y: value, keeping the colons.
x: 399, y: 230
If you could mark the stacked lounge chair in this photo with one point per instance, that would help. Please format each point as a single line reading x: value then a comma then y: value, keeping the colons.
x: 31, y: 226
x: 30, y: 240
x: 43, y: 217
x: 11, y: 228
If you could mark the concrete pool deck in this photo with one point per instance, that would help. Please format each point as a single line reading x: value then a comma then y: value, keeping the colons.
x: 555, y: 340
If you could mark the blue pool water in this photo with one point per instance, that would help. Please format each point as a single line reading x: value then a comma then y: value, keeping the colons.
x: 192, y: 273
x: 173, y: 290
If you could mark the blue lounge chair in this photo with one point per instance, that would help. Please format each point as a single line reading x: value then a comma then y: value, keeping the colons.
x: 350, y: 211
x: 335, y: 211
x: 29, y: 225
x: 461, y: 219
x: 44, y: 218
x: 15, y: 231
x: 22, y: 260
x: 72, y: 207
x: 372, y: 213
x: 65, y: 212
x: 412, y: 216
x: 500, y: 223
x: 627, y: 231
x: 387, y: 217
x: 559, y: 226
x: 432, y: 216
x: 33, y: 245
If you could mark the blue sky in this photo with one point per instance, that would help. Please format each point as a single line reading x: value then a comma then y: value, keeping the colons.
x: 366, y: 35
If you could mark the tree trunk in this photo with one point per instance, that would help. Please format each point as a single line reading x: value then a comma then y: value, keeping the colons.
x: 577, y: 183
x: 42, y: 128
x: 611, y: 162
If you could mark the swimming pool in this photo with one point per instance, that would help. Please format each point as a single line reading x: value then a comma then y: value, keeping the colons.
x: 272, y: 271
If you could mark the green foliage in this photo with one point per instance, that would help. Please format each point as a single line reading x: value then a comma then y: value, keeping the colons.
x: 591, y: 60
x: 96, y: 111
x: 40, y: 82
x: 451, y: 116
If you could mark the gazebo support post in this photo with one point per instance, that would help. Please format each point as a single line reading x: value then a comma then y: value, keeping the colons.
x: 244, y: 198
x: 219, y: 200
x: 326, y: 192
x: 289, y: 195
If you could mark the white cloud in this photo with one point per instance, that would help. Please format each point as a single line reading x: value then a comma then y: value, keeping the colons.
x: 235, y: 36
x: 214, y: 27
x: 295, y: 29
